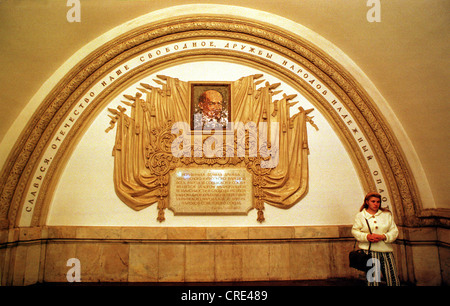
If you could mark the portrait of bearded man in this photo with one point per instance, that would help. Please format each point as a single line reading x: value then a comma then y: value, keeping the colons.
x: 211, y: 113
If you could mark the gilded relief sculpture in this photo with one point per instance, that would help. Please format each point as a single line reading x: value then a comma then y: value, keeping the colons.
x: 210, y: 126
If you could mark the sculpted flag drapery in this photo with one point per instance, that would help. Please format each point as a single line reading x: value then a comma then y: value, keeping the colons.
x: 143, y: 158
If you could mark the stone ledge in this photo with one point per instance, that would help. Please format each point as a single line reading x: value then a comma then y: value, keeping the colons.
x: 199, y: 233
x: 412, y: 235
x: 173, y: 233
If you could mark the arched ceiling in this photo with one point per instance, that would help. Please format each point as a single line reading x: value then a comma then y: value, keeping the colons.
x: 403, y: 55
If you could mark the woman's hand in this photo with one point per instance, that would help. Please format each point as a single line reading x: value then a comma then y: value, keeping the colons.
x: 375, y: 237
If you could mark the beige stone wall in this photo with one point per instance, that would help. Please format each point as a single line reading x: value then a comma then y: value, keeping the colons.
x: 135, y: 254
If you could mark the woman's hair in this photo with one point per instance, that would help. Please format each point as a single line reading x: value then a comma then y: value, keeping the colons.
x: 373, y: 195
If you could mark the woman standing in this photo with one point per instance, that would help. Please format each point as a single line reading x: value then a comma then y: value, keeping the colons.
x: 382, y: 233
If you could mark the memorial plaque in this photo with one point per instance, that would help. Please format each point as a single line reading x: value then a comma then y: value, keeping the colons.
x: 155, y: 161
x: 206, y: 191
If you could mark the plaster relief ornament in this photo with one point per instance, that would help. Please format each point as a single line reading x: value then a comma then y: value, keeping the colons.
x: 210, y: 126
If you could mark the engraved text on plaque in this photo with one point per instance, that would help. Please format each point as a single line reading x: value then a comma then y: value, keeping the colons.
x: 196, y: 191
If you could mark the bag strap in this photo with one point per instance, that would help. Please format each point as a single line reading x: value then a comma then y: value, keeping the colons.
x: 370, y: 231
x: 370, y: 244
x: 368, y: 225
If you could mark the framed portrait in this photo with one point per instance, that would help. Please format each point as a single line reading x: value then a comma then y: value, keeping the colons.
x: 210, y: 105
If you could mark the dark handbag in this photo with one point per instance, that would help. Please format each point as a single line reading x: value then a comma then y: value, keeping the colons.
x: 358, y: 258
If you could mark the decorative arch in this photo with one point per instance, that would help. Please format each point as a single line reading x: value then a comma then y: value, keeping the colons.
x: 107, y: 69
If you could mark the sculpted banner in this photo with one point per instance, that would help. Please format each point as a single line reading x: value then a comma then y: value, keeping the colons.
x: 209, y: 127
x: 33, y: 194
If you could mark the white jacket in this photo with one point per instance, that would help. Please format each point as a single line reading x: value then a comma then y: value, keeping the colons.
x: 380, y: 223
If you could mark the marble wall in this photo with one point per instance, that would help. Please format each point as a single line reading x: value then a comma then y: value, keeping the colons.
x: 139, y: 254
